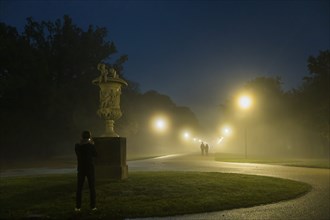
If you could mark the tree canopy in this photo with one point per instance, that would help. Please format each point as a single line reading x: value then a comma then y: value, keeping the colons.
x: 294, y: 122
x: 46, y: 94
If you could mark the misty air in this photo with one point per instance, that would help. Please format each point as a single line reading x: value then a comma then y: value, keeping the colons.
x: 164, y: 109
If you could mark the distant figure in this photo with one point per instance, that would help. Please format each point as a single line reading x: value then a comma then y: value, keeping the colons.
x: 85, y: 151
x: 202, y: 148
x: 206, y: 149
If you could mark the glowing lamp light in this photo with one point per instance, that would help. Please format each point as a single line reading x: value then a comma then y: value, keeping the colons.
x: 186, y: 135
x: 226, y: 131
x: 219, y: 140
x: 160, y: 124
x: 245, y: 102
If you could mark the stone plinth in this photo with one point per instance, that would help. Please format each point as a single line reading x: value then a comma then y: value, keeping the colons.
x: 111, y: 158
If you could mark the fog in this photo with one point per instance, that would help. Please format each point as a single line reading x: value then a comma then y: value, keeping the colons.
x: 45, y: 105
x: 272, y: 137
x: 274, y: 127
x: 277, y: 123
x: 273, y: 140
x: 272, y: 131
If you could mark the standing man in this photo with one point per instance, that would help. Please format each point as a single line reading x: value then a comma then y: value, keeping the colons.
x: 206, y: 149
x: 202, y: 148
x: 85, y: 151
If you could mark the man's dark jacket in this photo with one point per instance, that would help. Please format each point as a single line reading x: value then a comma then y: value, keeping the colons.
x: 85, y: 153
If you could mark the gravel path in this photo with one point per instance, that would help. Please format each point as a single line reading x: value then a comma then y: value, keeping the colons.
x: 313, y: 206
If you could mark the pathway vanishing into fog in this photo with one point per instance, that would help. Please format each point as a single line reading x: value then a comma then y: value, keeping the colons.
x: 313, y: 206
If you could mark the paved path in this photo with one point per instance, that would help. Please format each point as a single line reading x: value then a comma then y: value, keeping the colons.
x: 313, y: 206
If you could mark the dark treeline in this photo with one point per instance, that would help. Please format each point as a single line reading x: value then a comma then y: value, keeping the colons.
x: 290, y: 123
x: 47, y: 98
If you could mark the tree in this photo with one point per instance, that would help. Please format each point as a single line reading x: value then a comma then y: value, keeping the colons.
x: 313, y: 97
x: 138, y: 110
x: 268, y: 120
x: 45, y: 73
x: 296, y: 121
x: 46, y: 94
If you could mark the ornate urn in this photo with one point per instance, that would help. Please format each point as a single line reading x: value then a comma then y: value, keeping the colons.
x: 110, y: 90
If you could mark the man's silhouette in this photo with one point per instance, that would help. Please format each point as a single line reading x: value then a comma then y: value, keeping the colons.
x: 85, y: 151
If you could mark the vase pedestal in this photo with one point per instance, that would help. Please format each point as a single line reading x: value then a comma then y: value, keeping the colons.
x: 111, y: 158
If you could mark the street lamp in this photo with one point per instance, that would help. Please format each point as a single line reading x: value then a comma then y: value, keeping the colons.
x: 245, y: 102
x: 226, y: 131
x: 186, y: 135
x: 160, y: 124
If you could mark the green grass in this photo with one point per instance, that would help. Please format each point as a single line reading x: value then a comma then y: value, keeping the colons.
x: 143, y: 194
x: 54, y: 162
x: 311, y: 163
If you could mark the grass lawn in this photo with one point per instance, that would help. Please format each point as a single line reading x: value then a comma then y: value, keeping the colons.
x: 143, y: 194
x: 311, y: 163
x: 54, y: 162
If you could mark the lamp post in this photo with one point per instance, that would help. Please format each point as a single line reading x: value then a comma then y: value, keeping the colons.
x: 226, y: 131
x: 186, y: 135
x: 160, y: 124
x: 245, y: 103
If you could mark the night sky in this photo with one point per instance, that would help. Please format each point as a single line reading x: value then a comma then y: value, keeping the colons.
x: 198, y: 52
